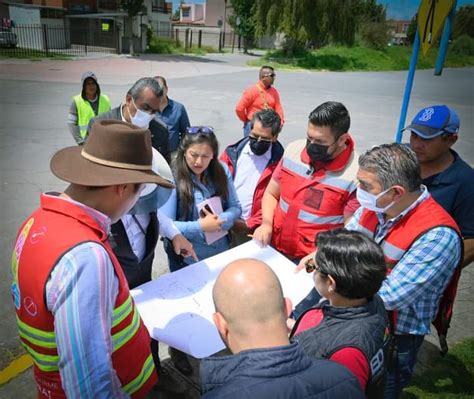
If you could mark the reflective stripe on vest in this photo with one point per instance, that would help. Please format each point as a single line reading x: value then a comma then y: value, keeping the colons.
x: 126, y: 334
x: 392, y: 252
x: 42, y: 361
x: 137, y: 383
x: 311, y: 218
x: 121, y: 312
x: 45, y: 339
x: 85, y: 112
x: 328, y: 179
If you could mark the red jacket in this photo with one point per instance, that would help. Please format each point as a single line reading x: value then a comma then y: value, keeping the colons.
x: 230, y: 157
x: 64, y: 226
x: 257, y: 98
x: 310, y: 200
x: 426, y: 216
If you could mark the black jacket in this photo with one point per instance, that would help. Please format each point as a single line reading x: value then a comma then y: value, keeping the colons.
x: 276, y: 373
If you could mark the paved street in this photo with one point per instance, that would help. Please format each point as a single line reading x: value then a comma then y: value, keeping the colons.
x: 35, y: 97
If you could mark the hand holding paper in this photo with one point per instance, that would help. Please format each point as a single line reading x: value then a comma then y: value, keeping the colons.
x: 210, y: 222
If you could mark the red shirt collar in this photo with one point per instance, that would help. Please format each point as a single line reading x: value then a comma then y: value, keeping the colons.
x: 335, y: 164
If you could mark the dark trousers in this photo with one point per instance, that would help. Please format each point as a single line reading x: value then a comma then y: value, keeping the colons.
x: 399, y: 375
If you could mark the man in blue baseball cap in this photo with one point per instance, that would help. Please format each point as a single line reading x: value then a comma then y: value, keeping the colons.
x: 449, y: 179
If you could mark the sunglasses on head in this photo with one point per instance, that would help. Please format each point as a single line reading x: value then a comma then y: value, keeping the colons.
x: 200, y: 129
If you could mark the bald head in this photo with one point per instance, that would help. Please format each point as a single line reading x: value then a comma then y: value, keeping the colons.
x: 248, y: 295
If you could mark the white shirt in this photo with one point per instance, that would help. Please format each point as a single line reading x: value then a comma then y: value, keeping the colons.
x: 248, y: 170
x: 135, y: 232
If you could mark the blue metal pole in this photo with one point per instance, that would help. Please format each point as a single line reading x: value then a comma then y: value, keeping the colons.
x: 408, y: 86
x: 443, y: 46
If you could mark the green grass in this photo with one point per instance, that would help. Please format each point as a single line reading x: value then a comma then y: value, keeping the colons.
x: 31, y: 54
x: 337, y: 58
x: 451, y: 377
x: 160, y: 45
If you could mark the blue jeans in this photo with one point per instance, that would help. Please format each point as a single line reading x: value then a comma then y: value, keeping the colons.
x: 246, y: 129
x: 399, y: 376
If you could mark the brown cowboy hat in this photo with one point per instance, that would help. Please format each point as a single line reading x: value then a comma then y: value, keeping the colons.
x: 115, y: 152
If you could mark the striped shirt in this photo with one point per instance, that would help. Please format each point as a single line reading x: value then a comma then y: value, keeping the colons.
x: 81, y: 294
x: 415, y: 285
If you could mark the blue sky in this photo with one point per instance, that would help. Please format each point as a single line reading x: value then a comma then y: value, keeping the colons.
x: 406, y: 9
x: 396, y: 9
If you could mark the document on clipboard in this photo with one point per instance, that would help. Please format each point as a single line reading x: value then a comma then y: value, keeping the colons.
x: 213, y: 205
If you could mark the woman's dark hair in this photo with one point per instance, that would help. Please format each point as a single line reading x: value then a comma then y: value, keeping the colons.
x: 353, y: 260
x: 183, y: 175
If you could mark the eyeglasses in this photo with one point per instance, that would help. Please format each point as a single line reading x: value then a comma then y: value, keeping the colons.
x: 311, y: 266
x: 200, y: 129
x: 258, y: 138
x: 272, y: 75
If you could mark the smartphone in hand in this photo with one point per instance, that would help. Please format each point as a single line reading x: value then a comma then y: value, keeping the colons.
x: 207, y: 208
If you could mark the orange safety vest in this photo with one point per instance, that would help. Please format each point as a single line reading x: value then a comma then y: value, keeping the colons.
x: 49, y: 233
x: 311, y: 201
x: 426, y: 216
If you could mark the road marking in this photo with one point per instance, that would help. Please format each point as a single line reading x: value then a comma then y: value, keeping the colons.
x: 14, y: 368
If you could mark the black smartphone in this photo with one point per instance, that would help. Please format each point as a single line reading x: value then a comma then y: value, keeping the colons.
x: 207, y: 208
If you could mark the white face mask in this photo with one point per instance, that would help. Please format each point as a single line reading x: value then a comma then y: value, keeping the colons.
x: 141, y: 119
x: 369, y: 201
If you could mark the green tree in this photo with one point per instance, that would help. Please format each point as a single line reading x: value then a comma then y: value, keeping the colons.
x: 315, y: 22
x: 242, y: 20
x: 411, y: 31
x: 464, y: 22
x: 133, y: 8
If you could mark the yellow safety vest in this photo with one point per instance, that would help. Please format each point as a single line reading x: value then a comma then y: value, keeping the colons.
x: 85, y: 112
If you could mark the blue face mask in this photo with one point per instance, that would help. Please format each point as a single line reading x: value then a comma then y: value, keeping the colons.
x: 369, y: 201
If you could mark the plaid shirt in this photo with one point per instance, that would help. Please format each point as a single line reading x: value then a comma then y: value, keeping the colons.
x: 415, y: 285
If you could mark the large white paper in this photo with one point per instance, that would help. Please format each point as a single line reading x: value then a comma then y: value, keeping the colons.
x: 177, y: 308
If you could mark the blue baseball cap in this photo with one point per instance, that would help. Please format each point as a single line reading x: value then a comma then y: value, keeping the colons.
x: 433, y: 121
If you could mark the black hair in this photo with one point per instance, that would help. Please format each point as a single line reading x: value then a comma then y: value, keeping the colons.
x: 264, y: 68
x: 268, y: 118
x: 333, y: 115
x: 183, y: 174
x: 353, y: 260
x: 83, y: 92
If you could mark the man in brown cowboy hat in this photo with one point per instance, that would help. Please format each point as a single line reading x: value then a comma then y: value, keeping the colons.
x: 75, y: 315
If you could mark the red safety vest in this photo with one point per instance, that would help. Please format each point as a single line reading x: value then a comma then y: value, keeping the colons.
x: 48, y: 234
x: 426, y: 216
x: 311, y: 201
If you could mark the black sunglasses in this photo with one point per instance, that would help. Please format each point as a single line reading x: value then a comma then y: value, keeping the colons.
x: 269, y: 74
x: 200, y: 129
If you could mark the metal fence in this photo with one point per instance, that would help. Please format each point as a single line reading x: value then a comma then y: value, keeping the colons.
x: 189, y: 38
x: 47, y: 40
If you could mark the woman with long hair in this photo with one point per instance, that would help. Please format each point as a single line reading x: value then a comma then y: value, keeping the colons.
x: 199, y: 175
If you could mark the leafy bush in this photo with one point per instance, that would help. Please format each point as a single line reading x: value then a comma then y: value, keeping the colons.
x: 166, y: 45
x: 463, y: 45
x: 375, y: 35
x: 162, y: 45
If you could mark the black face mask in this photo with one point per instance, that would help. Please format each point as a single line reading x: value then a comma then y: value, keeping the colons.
x: 317, y: 152
x: 259, y: 147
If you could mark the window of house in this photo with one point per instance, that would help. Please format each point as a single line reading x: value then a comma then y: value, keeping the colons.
x: 185, y: 12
